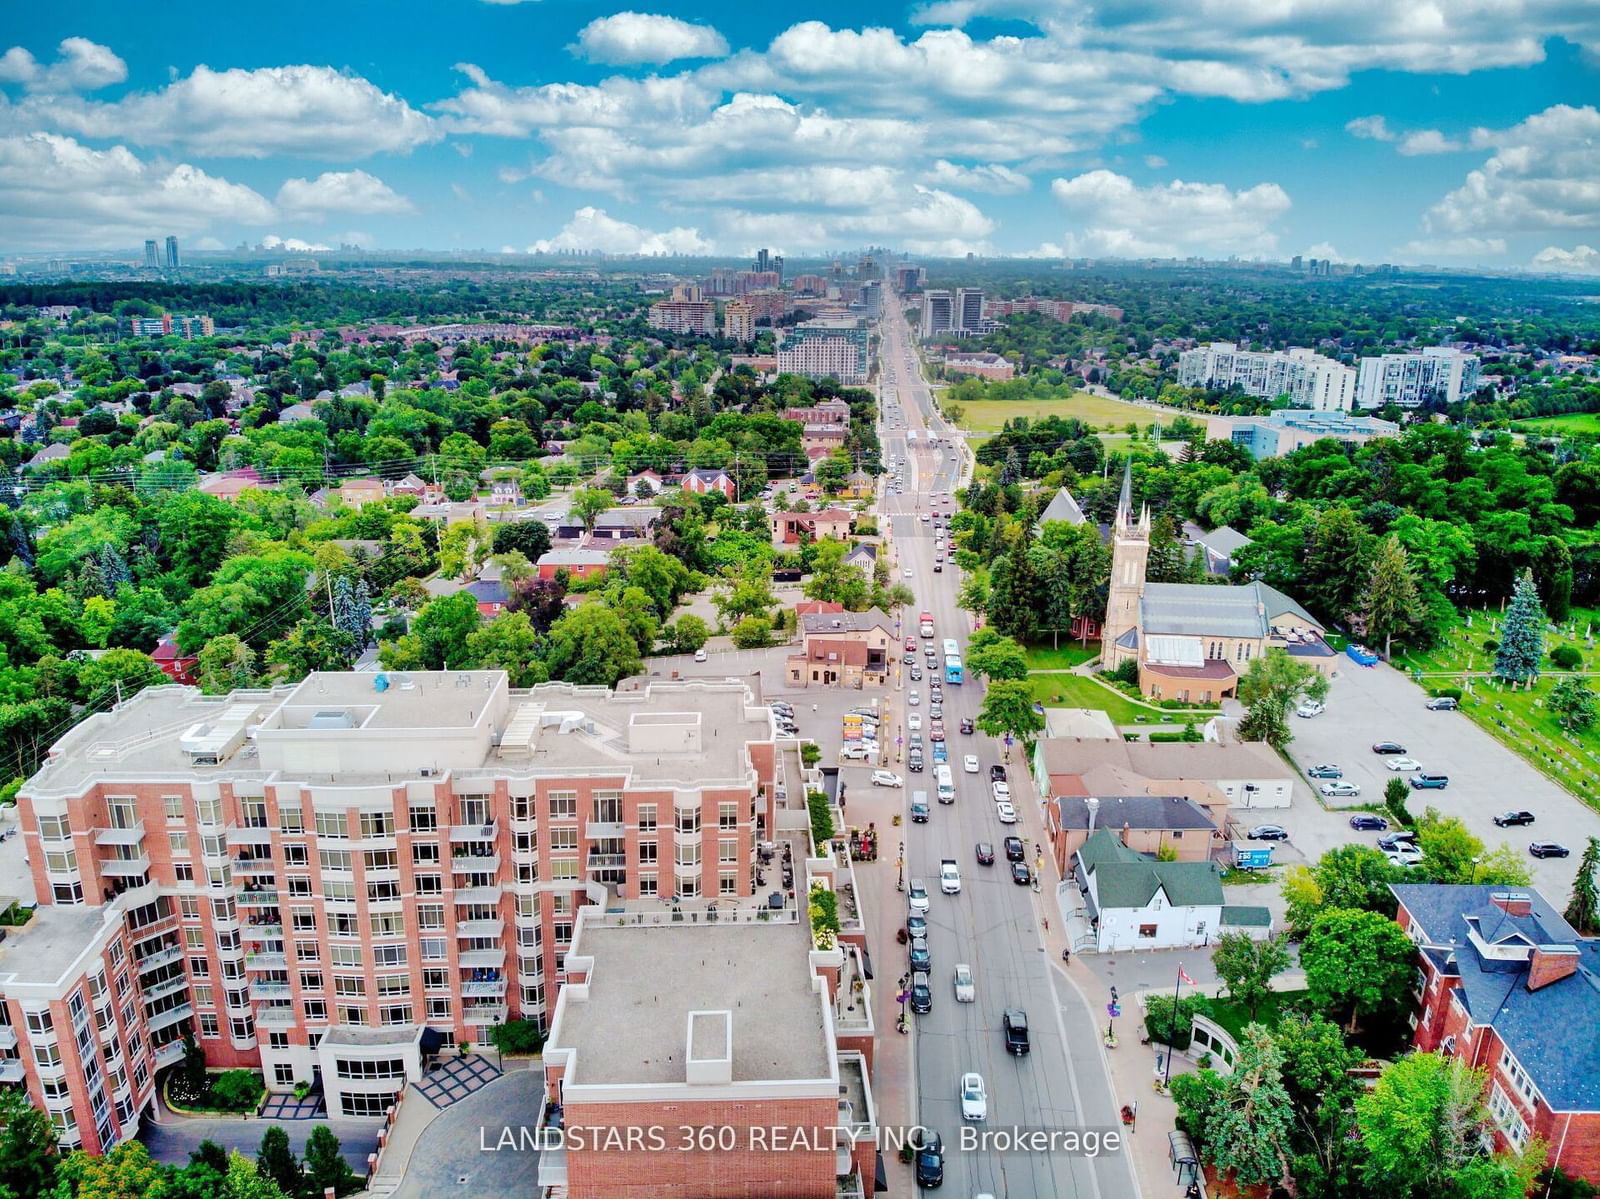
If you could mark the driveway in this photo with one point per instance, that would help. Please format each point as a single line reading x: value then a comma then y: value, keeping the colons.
x: 1380, y: 703
x: 465, y: 1151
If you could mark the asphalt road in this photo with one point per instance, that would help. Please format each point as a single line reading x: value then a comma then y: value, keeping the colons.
x: 992, y: 924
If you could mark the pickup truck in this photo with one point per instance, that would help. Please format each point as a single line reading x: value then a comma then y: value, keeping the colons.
x: 1429, y: 782
x: 949, y: 876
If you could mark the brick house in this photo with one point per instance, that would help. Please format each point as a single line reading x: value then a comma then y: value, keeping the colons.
x: 842, y: 649
x: 178, y: 667
x: 578, y: 563
x: 701, y: 482
x: 356, y: 492
x: 1145, y: 823
x: 789, y: 527
x: 1509, y: 987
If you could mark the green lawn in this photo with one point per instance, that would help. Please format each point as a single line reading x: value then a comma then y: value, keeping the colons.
x: 1512, y: 716
x: 1076, y: 691
x: 1234, y: 1017
x: 1043, y: 657
x: 1567, y: 422
x: 990, y: 416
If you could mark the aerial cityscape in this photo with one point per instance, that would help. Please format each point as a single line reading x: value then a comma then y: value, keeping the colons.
x: 985, y: 599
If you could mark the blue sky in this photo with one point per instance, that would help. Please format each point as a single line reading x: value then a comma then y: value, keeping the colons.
x: 1448, y: 131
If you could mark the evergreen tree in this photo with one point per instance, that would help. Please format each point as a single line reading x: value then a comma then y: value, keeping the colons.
x: 113, y: 568
x: 275, y: 1160
x: 1583, y: 912
x: 363, y: 613
x: 1336, y: 563
x: 1392, y: 599
x: 1169, y: 560
x: 352, y: 611
x: 1011, y: 596
x: 325, y: 1167
x: 1521, y: 634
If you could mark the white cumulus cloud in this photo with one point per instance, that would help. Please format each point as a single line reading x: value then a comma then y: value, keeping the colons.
x: 82, y: 66
x: 994, y: 177
x: 57, y: 192
x: 627, y: 38
x: 1544, y: 174
x: 1437, y: 249
x: 340, y: 191
x: 1580, y: 260
x: 591, y: 229
x: 1372, y: 128
x: 1427, y: 141
x: 1116, y: 217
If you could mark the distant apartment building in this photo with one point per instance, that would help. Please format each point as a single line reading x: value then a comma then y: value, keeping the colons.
x: 684, y: 316
x: 1306, y: 377
x: 172, y: 253
x: 871, y: 299
x: 984, y: 366
x: 738, y: 321
x: 810, y: 285
x: 767, y: 304
x: 687, y: 292
x: 152, y: 260
x: 328, y: 880
x: 909, y: 278
x: 938, y: 313
x: 823, y: 349
x: 968, y: 312
x: 167, y: 324
x: 1061, y: 310
x: 1288, y: 429
x: 1411, y: 379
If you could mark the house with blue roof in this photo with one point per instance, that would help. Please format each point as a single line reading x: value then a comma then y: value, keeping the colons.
x: 1194, y: 641
x: 1508, y: 986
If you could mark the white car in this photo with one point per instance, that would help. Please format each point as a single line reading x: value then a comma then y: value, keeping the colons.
x: 965, y: 991
x: 886, y: 778
x: 914, y: 721
x: 700, y: 655
x: 1402, y: 764
x: 914, y: 698
x: 970, y: 763
x: 950, y: 878
x: 907, y: 572
x: 1404, y: 855
x: 974, y: 1099
x: 917, y: 897
x: 1007, y: 814
x: 1002, y: 792
x: 854, y: 753
x: 1310, y: 708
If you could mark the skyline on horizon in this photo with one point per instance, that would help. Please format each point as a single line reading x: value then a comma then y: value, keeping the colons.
x: 1004, y: 128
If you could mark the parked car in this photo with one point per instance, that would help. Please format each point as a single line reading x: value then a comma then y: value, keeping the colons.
x: 1002, y: 791
x: 887, y: 778
x: 1403, y: 764
x: 1020, y: 874
x: 1006, y: 813
x: 985, y: 852
x: 916, y: 924
x: 997, y: 774
x: 1442, y: 703
x: 1014, y: 852
x: 919, y: 812
x: 921, y: 957
x: 970, y: 763
x: 1340, y: 788
x: 1404, y: 855
x: 930, y: 1159
x: 854, y: 753
x: 921, y: 994
x: 1549, y: 849
x: 1310, y: 708
x: 965, y: 991
x: 1388, y: 747
x: 966, y: 725
x: 1015, y: 1025
x: 1326, y: 770
x: 1429, y: 782
x: 1267, y: 832
x: 1507, y: 819
x: 1365, y: 822
x: 917, y: 896
x: 1394, y: 840
x: 974, y: 1099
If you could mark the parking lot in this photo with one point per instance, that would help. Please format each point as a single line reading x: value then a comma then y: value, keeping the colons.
x: 1367, y: 705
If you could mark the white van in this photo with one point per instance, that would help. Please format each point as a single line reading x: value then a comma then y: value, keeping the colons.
x: 946, y: 782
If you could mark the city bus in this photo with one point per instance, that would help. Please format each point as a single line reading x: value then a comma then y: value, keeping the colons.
x: 952, y: 669
x: 952, y: 648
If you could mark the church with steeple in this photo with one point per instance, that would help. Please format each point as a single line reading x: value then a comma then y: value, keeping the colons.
x: 1193, y: 641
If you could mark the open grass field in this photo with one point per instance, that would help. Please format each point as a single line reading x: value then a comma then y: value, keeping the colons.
x: 1514, y: 717
x: 1567, y: 422
x: 1042, y: 657
x: 990, y: 416
x: 1076, y: 691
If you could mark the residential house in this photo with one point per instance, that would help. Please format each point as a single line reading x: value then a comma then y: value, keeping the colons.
x: 55, y: 452
x: 788, y: 528
x: 1062, y: 507
x: 420, y: 488
x: 296, y: 412
x: 644, y: 484
x: 842, y: 649
x: 1507, y: 986
x: 700, y: 481
x: 505, y: 493
x: 578, y: 562
x: 823, y: 438
x: 1134, y: 902
x: 816, y: 608
x: 1215, y: 550
x: 1249, y: 774
x: 492, y: 596
x: 1147, y: 824
x: 863, y: 557
x: 356, y: 492
x: 229, y: 485
x: 614, y: 524
x: 859, y: 485
x: 179, y: 667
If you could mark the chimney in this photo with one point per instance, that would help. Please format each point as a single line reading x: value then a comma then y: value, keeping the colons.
x: 1512, y: 903
x: 1093, y: 805
x: 1551, y: 963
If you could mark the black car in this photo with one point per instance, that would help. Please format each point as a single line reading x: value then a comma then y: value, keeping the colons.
x: 921, y: 957
x: 1014, y: 849
x: 997, y: 774
x: 930, y: 1160
x: 914, y: 763
x: 1268, y: 832
x: 1442, y: 703
x: 1020, y: 875
x: 1368, y: 824
x: 1392, y: 841
x: 1506, y: 819
x: 1549, y: 849
x: 919, y: 813
x: 1388, y: 747
x: 921, y: 994
x: 966, y: 724
x: 985, y: 854
x: 1015, y: 1022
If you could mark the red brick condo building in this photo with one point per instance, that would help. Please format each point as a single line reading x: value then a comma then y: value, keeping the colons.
x: 323, y: 880
x: 1507, y: 986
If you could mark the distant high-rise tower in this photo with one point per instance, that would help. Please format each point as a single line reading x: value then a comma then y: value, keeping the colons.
x: 763, y: 261
x: 151, y: 262
x: 777, y: 266
x: 172, y: 253
x: 937, y: 313
x: 969, y: 309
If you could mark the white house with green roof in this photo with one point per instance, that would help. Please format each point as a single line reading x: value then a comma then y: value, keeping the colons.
x: 1132, y: 901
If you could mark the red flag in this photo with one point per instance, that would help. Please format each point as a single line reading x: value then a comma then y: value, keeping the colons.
x: 1184, y: 978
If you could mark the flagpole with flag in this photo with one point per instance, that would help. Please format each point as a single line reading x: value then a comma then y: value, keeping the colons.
x: 1172, y: 1028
